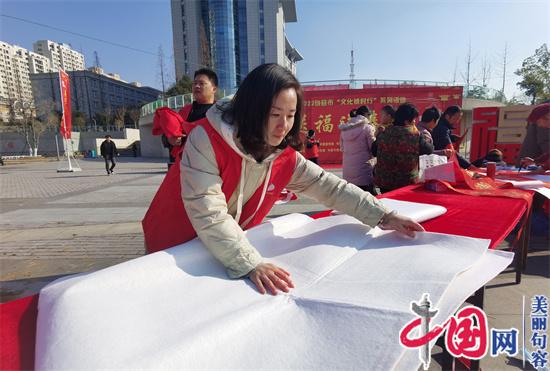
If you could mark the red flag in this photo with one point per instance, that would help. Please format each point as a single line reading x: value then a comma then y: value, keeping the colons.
x: 64, y: 84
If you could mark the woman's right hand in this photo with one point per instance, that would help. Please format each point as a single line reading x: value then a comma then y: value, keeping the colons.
x: 269, y: 276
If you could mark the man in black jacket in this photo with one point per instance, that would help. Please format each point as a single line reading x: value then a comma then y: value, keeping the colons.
x: 109, y: 151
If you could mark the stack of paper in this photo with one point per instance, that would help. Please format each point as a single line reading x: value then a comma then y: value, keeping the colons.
x: 176, y: 309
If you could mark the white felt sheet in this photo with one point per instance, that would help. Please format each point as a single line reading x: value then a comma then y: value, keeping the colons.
x: 533, y: 185
x: 414, y: 210
x: 176, y: 309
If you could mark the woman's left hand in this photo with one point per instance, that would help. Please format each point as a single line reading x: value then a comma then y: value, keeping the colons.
x: 401, y: 224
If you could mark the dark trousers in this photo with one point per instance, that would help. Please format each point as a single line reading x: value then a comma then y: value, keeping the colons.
x: 315, y: 160
x: 113, y: 164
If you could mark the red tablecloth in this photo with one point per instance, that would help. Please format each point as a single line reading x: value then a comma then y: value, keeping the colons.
x: 473, y: 216
x: 18, y: 323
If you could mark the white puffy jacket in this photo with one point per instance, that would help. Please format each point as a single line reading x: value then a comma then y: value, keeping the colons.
x: 214, y: 219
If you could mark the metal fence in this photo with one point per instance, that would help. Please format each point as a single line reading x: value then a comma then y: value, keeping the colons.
x: 473, y: 91
x: 174, y: 103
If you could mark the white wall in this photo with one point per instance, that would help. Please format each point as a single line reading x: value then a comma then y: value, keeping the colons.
x: 14, y: 143
x: 151, y: 145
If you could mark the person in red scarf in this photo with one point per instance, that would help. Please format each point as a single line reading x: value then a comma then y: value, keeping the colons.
x: 233, y: 168
x: 174, y: 127
x: 535, y: 149
x: 312, y: 147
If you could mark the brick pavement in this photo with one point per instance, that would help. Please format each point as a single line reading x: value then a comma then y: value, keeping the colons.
x: 59, y: 223
x: 50, y: 225
x: 40, y: 180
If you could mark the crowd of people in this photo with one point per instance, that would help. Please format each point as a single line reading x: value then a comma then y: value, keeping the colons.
x: 386, y: 157
x: 235, y: 156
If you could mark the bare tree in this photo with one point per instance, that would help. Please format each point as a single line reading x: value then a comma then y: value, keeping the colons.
x: 504, y: 63
x: 108, y: 113
x: 37, y: 128
x: 78, y: 120
x: 469, y: 60
x: 45, y: 118
x: 120, y: 112
x: 162, y: 68
x: 454, y: 73
x: 134, y: 114
x: 485, y: 72
x: 20, y: 113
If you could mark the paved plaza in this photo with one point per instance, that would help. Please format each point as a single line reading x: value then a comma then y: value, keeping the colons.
x: 53, y: 224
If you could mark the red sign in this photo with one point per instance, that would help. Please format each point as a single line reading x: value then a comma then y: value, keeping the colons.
x: 64, y: 84
x: 326, y: 109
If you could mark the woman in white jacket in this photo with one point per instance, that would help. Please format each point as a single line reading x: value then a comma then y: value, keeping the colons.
x: 356, y: 138
x: 236, y: 160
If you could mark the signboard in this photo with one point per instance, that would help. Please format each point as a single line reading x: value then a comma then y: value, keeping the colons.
x: 326, y: 109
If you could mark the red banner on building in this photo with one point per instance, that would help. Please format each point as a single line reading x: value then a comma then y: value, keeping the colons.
x: 64, y: 84
x: 326, y: 109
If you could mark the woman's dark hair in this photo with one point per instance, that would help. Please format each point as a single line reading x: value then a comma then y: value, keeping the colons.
x: 405, y: 112
x: 389, y: 110
x: 430, y: 115
x: 250, y: 108
x: 353, y: 113
x: 451, y: 110
x: 363, y: 111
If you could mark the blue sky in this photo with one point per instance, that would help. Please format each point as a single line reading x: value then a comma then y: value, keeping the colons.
x: 393, y: 39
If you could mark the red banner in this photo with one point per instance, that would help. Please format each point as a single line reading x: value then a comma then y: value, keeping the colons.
x: 64, y: 84
x: 326, y: 109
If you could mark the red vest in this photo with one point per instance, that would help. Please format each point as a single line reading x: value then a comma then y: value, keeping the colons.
x: 166, y: 223
x: 313, y: 151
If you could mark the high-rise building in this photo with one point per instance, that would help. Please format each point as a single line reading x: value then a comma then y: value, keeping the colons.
x: 61, y: 56
x: 232, y: 37
x: 16, y: 64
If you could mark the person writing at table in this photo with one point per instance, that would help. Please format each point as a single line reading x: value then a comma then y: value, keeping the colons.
x: 233, y: 167
x: 442, y: 134
x: 535, y: 148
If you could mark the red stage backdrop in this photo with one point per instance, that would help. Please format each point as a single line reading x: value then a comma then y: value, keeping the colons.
x: 64, y: 84
x: 326, y: 109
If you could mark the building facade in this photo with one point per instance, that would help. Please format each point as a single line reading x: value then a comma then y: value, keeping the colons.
x: 16, y: 65
x: 232, y: 37
x: 61, y: 56
x: 92, y: 92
